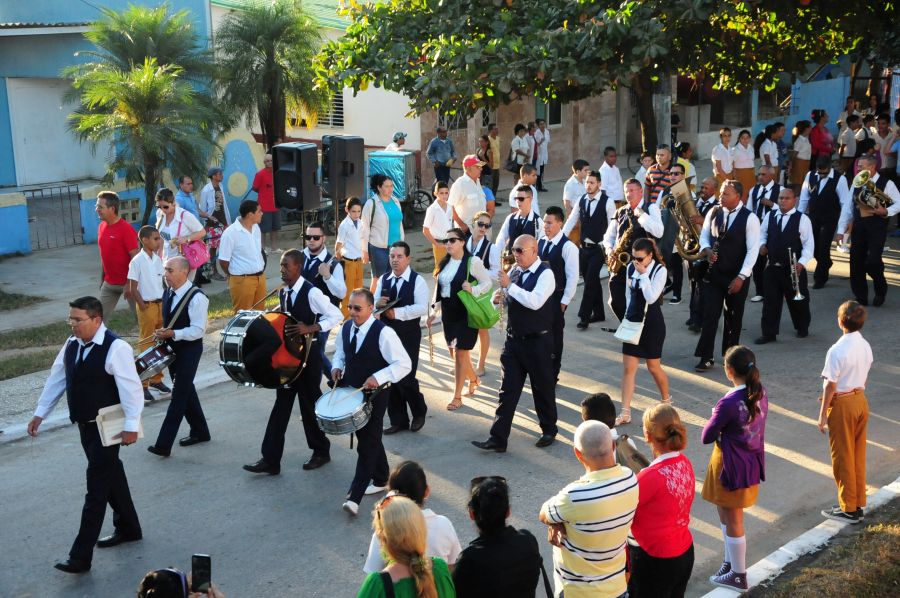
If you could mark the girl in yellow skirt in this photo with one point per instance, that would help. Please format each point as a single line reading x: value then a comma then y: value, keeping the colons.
x: 737, y: 464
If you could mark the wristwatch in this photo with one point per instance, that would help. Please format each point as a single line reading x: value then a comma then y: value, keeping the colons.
x: 742, y: 277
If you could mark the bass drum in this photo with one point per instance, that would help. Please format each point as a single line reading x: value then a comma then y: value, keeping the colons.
x: 255, y: 349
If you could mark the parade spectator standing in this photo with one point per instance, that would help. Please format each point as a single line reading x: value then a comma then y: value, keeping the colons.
x: 742, y: 155
x: 684, y: 156
x: 494, y: 138
x: 518, y: 149
x: 610, y: 177
x: 646, y: 163
x: 884, y: 139
x: 802, y: 152
x: 263, y: 184
x: 466, y: 194
x: 397, y: 142
x: 214, y: 209
x: 532, y: 144
x: 484, y: 154
x: 441, y: 154
x: 118, y: 243
x: 737, y: 464
x: 573, y: 191
x: 383, y: 218
x: 241, y: 258
x: 542, y: 142
x: 845, y: 412
x: 723, y: 165
x: 847, y: 143
x: 438, y: 220
x: 820, y: 137
x: 659, y: 175
x: 349, y: 248
x: 592, y: 516
x: 185, y: 196
x: 176, y: 225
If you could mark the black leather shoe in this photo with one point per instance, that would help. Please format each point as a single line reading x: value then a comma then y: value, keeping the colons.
x: 695, y: 328
x: 545, y: 440
x: 766, y: 338
x: 192, y: 440
x: 864, y: 302
x: 878, y: 301
x: 582, y: 325
x: 262, y: 466
x: 489, y: 445
x: 597, y: 319
x: 158, y: 451
x: 73, y: 566
x: 115, y: 539
x: 316, y: 461
x: 802, y: 333
x: 704, y: 365
x: 394, y: 429
x: 417, y: 423
x: 818, y: 285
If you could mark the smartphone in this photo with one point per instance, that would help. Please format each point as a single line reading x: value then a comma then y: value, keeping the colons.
x: 201, y: 572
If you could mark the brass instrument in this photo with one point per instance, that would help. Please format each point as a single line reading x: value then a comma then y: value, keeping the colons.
x: 795, y: 277
x: 870, y: 196
x: 683, y: 210
x: 507, y: 262
x: 621, y: 253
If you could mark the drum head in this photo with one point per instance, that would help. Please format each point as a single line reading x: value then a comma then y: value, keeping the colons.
x: 339, y: 402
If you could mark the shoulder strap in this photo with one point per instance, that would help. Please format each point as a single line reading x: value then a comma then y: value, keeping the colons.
x: 547, y: 588
x: 388, y: 584
x: 187, y: 299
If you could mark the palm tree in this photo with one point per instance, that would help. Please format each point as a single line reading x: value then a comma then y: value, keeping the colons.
x: 266, y: 54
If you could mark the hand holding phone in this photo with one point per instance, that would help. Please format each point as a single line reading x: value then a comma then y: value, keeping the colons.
x: 201, y: 572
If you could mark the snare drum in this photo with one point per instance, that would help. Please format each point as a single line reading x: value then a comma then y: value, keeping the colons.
x: 242, y: 335
x: 343, y: 410
x: 153, y: 361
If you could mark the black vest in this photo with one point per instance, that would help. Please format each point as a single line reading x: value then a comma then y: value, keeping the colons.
x: 368, y: 358
x: 638, y: 305
x: 516, y: 227
x: 530, y: 321
x: 881, y: 183
x: 556, y: 262
x: 707, y: 205
x: 756, y: 194
x: 622, y: 219
x: 779, y: 241
x: 483, y: 251
x: 593, y: 226
x: 88, y: 387
x: 824, y: 204
x: 732, y: 244
x: 184, y: 318
x: 299, y: 307
x: 458, y: 279
x: 311, y: 273
x: 409, y: 329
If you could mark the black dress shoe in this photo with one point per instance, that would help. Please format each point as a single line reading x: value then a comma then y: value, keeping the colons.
x: 395, y: 428
x: 192, y: 440
x: 597, y: 319
x: 695, y: 328
x: 117, y: 538
x: 417, y: 423
x: 766, y: 338
x: 545, y: 440
x: 489, y: 445
x: 158, y: 451
x: 802, y: 333
x: 316, y: 461
x: 818, y: 285
x: 704, y: 365
x: 73, y: 566
x: 864, y: 302
x: 878, y: 301
x: 582, y: 325
x: 262, y: 466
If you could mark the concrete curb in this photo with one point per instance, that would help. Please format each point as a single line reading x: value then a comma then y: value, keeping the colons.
x: 811, y: 541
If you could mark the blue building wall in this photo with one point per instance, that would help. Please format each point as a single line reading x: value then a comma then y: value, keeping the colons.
x: 7, y: 159
x: 829, y: 94
x: 14, y: 229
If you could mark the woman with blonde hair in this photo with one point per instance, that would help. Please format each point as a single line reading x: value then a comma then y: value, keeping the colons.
x: 400, y: 526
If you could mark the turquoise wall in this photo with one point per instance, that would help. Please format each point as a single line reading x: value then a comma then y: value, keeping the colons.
x: 7, y: 159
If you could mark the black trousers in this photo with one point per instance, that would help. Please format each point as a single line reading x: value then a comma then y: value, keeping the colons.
x: 653, y: 577
x: 617, y: 293
x: 696, y: 272
x: 520, y: 358
x: 442, y: 173
x: 540, y: 181
x: 716, y: 297
x: 823, y: 235
x: 778, y: 291
x: 407, y: 392
x: 867, y: 245
x: 590, y: 262
x: 371, y: 460
x: 675, y: 265
x: 759, y: 269
x: 106, y: 485
x: 559, y: 324
x: 185, y: 403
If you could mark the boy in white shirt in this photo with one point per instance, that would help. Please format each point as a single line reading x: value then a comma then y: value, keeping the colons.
x: 145, y: 289
x: 348, y: 247
x: 573, y: 192
x: 438, y: 220
x: 641, y: 176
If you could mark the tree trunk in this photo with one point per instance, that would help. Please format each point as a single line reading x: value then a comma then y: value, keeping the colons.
x: 874, y: 84
x: 854, y: 73
x: 643, y: 91
x: 150, y: 179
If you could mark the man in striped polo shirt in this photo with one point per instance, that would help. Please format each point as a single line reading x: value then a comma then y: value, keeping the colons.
x: 590, y: 519
x: 659, y: 177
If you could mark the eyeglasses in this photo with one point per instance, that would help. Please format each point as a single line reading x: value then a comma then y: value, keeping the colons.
x: 485, y: 224
x: 76, y: 321
x: 518, y: 250
x: 311, y: 237
x: 451, y: 240
x: 484, y: 478
x: 100, y: 206
x: 522, y: 197
x: 352, y: 307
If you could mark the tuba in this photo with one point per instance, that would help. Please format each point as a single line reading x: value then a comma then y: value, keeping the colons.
x: 683, y: 209
x: 870, y: 196
x: 621, y: 253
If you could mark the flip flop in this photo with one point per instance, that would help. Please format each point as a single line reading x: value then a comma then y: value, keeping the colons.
x: 455, y: 404
x: 624, y: 417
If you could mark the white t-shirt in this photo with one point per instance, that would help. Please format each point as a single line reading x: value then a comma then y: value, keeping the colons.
x: 848, y: 361
x: 769, y: 148
x: 573, y: 191
x: 611, y: 182
x: 442, y: 542
x: 847, y: 138
x: 467, y: 198
x: 518, y: 143
x: 189, y: 225
x: 242, y: 249
x: 147, y: 272
x: 641, y: 176
x: 722, y: 154
x: 742, y: 157
x: 350, y: 237
x: 438, y: 220
x: 803, y: 147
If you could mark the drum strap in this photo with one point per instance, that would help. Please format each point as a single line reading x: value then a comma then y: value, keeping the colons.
x: 187, y: 299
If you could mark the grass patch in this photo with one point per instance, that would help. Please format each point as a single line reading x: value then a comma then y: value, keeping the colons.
x: 26, y: 363
x: 11, y: 301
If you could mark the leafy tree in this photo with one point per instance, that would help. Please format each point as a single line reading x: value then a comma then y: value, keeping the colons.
x: 266, y: 53
x: 471, y: 54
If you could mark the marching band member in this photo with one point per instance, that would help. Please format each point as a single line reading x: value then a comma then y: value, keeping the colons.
x: 697, y: 269
x: 479, y: 245
x: 637, y: 219
x: 326, y: 273
x: 785, y: 234
x: 314, y: 313
x: 666, y: 244
x: 524, y: 221
x: 823, y: 195
x: 561, y: 255
x: 762, y: 200
x: 730, y: 241
x: 369, y: 354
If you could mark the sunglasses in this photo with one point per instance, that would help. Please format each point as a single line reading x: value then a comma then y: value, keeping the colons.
x: 485, y: 224
x: 311, y: 237
x: 451, y: 240
x: 639, y: 258
x: 163, y: 206
x: 521, y: 197
x: 484, y: 478
x: 518, y: 250
x: 352, y: 307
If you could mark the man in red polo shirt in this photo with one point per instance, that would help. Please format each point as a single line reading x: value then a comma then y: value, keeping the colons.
x: 265, y: 191
x: 118, y: 243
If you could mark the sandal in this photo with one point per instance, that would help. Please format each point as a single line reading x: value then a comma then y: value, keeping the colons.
x: 669, y: 401
x: 455, y: 404
x: 624, y: 417
x: 473, y: 386
x: 479, y: 372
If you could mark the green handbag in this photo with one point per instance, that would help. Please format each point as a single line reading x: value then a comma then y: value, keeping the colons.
x: 481, y: 311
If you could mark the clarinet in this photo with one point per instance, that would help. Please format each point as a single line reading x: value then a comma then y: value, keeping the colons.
x: 715, y: 248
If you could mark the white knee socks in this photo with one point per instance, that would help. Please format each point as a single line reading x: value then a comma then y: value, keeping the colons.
x: 737, y: 552
x: 727, y: 558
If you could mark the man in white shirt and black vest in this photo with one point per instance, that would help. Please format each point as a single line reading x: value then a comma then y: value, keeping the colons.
x: 638, y: 218
x: 524, y: 221
x: 763, y: 199
x: 561, y: 254
x: 785, y: 234
x: 410, y: 291
x: 868, y: 235
x: 730, y: 242
x: 823, y: 195
x: 326, y: 273
x: 529, y: 345
x: 368, y: 355
x: 697, y: 269
x: 594, y: 211
x: 95, y: 369
x: 185, y: 309
x: 314, y: 313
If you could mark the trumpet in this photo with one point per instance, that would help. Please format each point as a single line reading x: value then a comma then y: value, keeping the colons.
x: 795, y: 277
x: 507, y: 261
x: 870, y: 196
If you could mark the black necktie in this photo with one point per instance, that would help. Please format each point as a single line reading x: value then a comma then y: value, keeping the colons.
x: 353, y: 340
x: 395, y: 283
x: 547, y: 247
x: 168, y: 296
x: 81, y: 351
x: 288, y: 302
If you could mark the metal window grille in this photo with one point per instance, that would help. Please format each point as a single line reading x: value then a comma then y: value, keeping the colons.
x: 453, y: 122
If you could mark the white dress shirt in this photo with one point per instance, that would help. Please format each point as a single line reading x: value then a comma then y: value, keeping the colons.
x: 328, y: 315
x: 847, y: 210
x: 514, y: 205
x: 349, y: 235
x: 208, y: 202
x: 756, y: 194
x: 519, y: 143
x: 572, y: 192
x: 722, y: 154
x: 119, y: 364
x: 847, y: 138
x: 803, y: 147
x: 641, y: 176
x: 493, y: 254
x: 611, y: 182
x: 335, y: 284
x: 398, y: 362
x: 742, y: 156
x: 477, y: 270
x: 769, y: 148
x: 466, y: 198
x: 848, y: 361
x: 146, y: 269
x: 419, y: 307
x: 242, y: 249
x: 752, y: 235
x: 843, y: 190
x: 593, y: 203
x: 651, y: 288
x: 503, y: 233
x: 439, y: 220
x: 807, y: 240
x: 570, y: 259
x: 542, y: 139
x: 543, y: 289
x: 650, y: 220
x: 197, y: 311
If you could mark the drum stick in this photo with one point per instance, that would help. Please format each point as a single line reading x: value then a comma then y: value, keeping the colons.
x: 263, y: 300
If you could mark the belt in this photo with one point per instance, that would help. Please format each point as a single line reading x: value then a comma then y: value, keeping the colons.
x: 152, y: 300
x: 848, y: 392
x: 587, y: 243
x: 254, y: 274
x: 351, y: 259
x: 526, y: 337
x: 85, y: 424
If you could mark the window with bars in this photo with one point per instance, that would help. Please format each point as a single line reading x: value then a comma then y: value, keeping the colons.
x: 487, y: 117
x: 453, y: 122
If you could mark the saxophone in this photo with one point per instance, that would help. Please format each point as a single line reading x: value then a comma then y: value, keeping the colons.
x: 621, y: 253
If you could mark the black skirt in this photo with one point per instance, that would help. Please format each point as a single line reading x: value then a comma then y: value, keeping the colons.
x: 456, y: 324
x: 652, y: 336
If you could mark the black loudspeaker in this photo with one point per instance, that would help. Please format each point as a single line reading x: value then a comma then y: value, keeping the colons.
x: 296, y: 168
x: 343, y: 167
